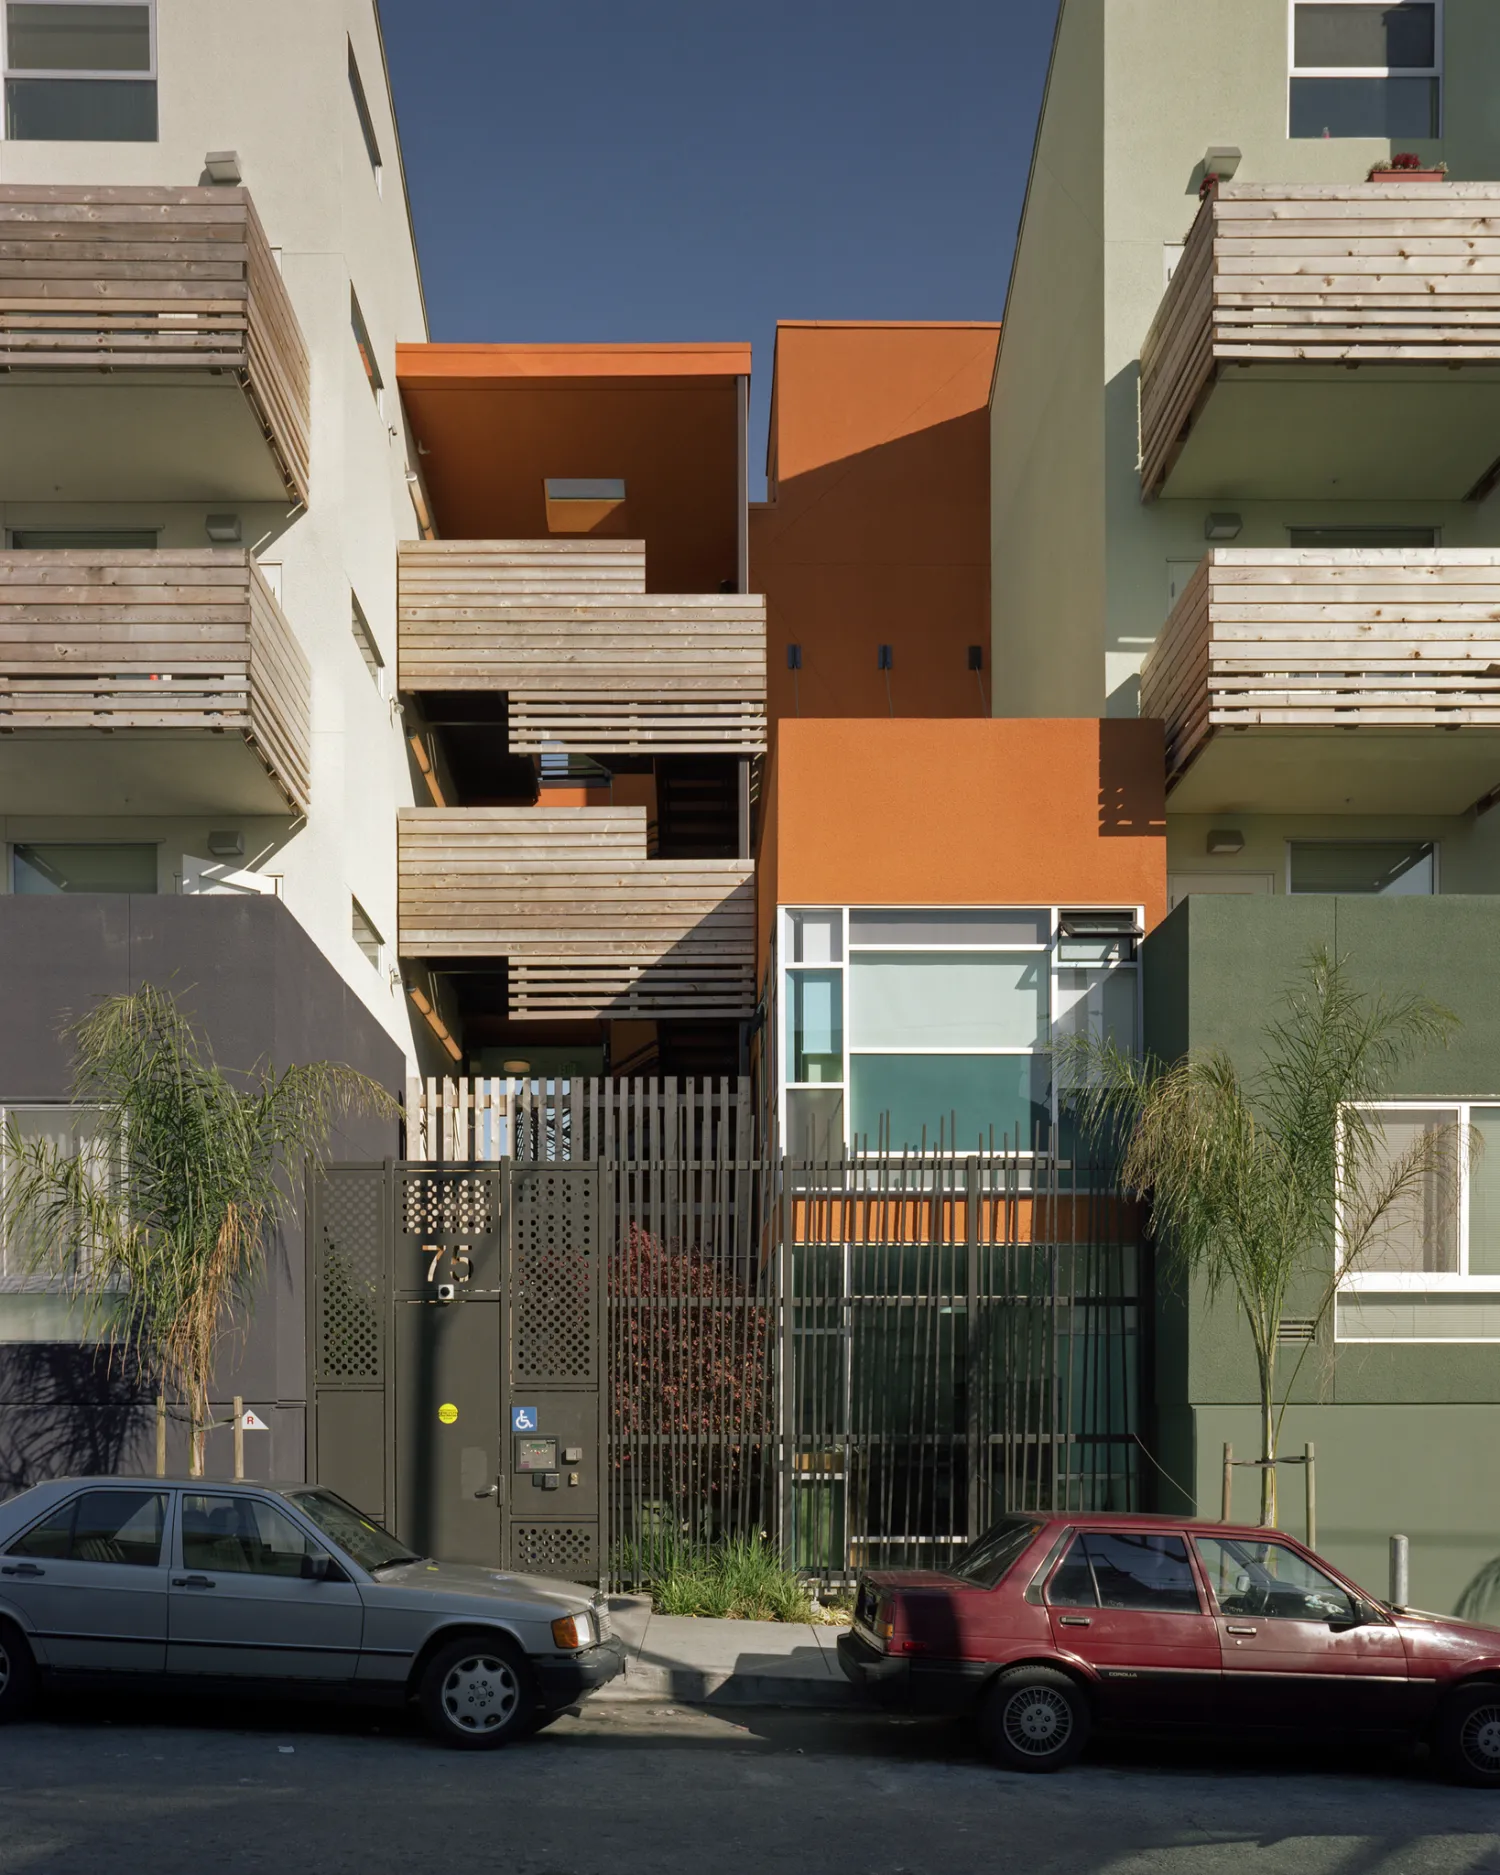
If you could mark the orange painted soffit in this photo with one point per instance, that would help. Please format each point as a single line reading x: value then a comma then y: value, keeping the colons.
x: 478, y: 367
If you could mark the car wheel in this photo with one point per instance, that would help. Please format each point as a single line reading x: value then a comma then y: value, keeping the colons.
x: 1467, y: 1736
x: 1035, y: 1719
x: 477, y: 1694
x: 17, y: 1673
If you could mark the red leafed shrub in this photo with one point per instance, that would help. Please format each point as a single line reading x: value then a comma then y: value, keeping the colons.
x: 690, y: 1360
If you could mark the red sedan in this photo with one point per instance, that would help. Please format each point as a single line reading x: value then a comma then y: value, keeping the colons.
x: 1051, y: 1625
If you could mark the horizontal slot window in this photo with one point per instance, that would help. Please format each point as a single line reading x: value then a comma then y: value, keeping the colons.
x: 83, y: 868
x: 66, y: 539
x: 42, y: 36
x: 919, y: 926
x: 1364, y: 36
x: 1366, y: 1315
x: 1365, y: 107
x: 938, y: 1000
x: 1387, y: 868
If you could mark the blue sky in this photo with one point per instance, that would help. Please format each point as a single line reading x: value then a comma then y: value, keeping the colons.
x: 684, y: 169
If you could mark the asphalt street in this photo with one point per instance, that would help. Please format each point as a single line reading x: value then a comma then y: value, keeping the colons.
x: 641, y: 1789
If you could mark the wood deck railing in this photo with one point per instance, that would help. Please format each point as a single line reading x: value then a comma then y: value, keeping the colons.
x: 152, y: 279
x: 1290, y: 638
x: 181, y: 640
x: 656, y: 1119
x: 588, y: 925
x: 590, y: 661
x: 1352, y: 274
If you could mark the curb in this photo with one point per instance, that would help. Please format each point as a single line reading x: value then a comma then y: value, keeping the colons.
x: 696, y: 1686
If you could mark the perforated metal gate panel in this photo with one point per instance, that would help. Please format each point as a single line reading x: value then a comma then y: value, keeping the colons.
x: 441, y: 1297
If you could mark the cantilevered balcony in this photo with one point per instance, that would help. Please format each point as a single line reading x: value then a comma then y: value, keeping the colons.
x: 1329, y: 342
x: 588, y: 926
x: 149, y: 683
x: 589, y: 661
x: 148, y: 349
x: 1360, y: 681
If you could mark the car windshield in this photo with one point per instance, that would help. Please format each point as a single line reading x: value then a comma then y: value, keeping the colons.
x: 356, y: 1535
x: 986, y: 1561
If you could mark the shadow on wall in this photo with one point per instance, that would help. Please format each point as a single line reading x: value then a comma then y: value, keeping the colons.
x: 69, y: 1412
x: 888, y: 545
x: 1132, y: 779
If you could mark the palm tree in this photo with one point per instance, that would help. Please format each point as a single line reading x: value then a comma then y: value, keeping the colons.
x: 1277, y: 1178
x: 158, y: 1227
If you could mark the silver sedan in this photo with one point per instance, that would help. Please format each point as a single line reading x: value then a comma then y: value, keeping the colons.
x: 237, y: 1586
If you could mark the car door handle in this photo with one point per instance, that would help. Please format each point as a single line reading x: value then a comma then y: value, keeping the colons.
x: 22, y: 1569
x: 192, y: 1582
x: 1072, y: 1621
x: 1233, y: 1630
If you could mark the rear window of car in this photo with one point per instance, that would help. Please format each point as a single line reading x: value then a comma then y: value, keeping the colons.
x: 114, y: 1526
x: 984, y: 1563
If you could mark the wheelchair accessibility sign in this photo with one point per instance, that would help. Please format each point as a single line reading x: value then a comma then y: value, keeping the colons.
x: 523, y: 1419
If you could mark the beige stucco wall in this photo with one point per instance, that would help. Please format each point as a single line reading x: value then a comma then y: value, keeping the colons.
x: 270, y: 81
x: 1081, y: 565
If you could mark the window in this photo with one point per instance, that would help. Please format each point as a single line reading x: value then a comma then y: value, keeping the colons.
x: 1346, y: 537
x: 366, y: 349
x: 119, y: 1526
x: 1271, y: 1581
x: 1429, y: 1269
x: 364, y: 638
x: 1361, y: 70
x: 1143, y: 1571
x: 34, y: 1301
x: 1389, y: 868
x: 80, y: 867
x: 353, y: 1532
x: 913, y: 1026
x: 362, y: 112
x: 987, y: 1561
x: 61, y: 539
x: 80, y: 73
x: 366, y: 936
x: 242, y: 1536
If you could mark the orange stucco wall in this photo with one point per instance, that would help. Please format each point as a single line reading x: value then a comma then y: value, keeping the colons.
x: 990, y: 812
x: 878, y: 527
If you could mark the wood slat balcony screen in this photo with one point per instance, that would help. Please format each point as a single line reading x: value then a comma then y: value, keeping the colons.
x: 588, y: 925
x: 152, y: 279
x: 1355, y: 274
x: 1291, y: 638
x: 187, y: 640
x: 590, y: 661
x: 655, y: 1118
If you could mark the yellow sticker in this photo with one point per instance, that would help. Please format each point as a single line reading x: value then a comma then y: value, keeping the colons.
x: 448, y: 1413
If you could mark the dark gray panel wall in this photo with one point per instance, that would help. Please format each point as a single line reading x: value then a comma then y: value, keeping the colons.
x: 259, y: 989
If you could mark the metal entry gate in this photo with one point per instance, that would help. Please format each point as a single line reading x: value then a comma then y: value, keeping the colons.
x: 456, y: 1340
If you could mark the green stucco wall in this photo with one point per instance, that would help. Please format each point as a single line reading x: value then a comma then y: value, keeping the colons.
x: 1408, y: 1438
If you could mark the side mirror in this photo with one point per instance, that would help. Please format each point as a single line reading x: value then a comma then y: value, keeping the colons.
x: 317, y: 1568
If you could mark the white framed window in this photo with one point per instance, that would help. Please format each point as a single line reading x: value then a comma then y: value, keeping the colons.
x: 80, y: 73
x: 1358, y: 69
x: 1430, y: 1270
x: 34, y: 1301
x: 366, y: 122
x: 906, y: 1028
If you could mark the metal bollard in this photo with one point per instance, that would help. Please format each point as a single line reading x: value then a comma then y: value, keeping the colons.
x: 1400, y: 1571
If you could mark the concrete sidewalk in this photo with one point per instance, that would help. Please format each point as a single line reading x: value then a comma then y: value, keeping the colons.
x: 726, y: 1663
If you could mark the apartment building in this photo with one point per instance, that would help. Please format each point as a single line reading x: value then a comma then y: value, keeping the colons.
x: 204, y: 474
x: 1244, y: 449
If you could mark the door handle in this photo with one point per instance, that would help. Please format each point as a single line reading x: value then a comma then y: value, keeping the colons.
x: 1233, y: 1630
x: 1072, y: 1621
x: 22, y: 1569
x: 492, y: 1490
x: 192, y: 1582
